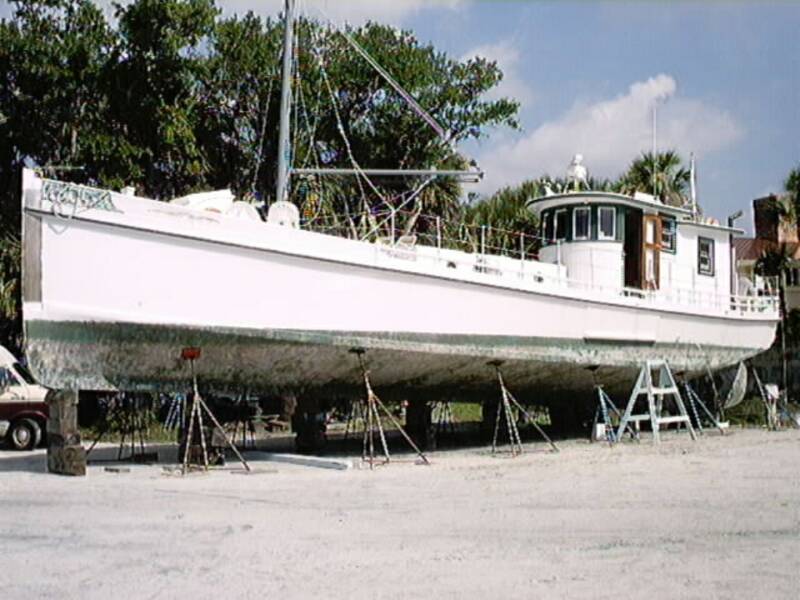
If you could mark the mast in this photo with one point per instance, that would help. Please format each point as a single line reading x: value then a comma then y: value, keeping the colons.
x: 284, y: 137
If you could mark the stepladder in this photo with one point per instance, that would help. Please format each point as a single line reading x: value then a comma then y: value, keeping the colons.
x: 655, y: 386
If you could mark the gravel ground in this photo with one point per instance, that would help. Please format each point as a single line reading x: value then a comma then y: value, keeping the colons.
x: 719, y: 518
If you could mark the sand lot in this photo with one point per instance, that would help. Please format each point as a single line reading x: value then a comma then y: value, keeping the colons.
x: 716, y: 519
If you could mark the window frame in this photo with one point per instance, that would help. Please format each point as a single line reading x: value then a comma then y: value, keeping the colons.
x: 600, y: 235
x: 588, y: 211
x: 556, y: 232
x: 548, y: 231
x: 711, y: 256
x: 669, y: 224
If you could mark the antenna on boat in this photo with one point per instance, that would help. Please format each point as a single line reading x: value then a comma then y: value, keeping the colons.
x: 655, y: 148
x: 693, y: 185
x: 284, y: 136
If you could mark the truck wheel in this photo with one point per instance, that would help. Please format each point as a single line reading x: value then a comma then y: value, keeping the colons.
x: 25, y: 434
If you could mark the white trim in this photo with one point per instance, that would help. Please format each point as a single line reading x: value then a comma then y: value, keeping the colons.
x: 600, y: 235
x: 588, y: 212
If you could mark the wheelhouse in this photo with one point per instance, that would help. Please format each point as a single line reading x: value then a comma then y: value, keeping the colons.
x: 634, y: 242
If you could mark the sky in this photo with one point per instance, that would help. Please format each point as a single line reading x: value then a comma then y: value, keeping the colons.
x: 725, y: 77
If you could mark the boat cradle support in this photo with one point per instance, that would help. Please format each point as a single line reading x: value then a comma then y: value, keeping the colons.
x: 65, y: 452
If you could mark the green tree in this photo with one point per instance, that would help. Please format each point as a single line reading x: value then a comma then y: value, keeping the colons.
x: 171, y: 98
x: 152, y: 84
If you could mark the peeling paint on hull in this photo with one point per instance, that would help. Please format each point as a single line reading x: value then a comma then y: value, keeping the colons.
x: 135, y: 356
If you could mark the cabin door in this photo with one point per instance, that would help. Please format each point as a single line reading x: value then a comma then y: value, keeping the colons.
x: 633, y: 249
x: 651, y: 251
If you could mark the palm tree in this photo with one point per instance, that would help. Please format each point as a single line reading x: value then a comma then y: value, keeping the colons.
x: 666, y: 173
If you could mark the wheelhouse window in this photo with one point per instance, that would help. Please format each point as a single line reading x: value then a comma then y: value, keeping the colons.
x: 581, y: 220
x: 547, y: 227
x: 607, y: 216
x: 561, y: 223
x: 668, y: 235
x: 705, y: 256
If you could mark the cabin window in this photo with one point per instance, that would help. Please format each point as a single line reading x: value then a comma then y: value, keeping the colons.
x: 580, y: 223
x: 668, y: 235
x: 561, y: 224
x: 607, y: 215
x: 547, y: 227
x: 705, y: 256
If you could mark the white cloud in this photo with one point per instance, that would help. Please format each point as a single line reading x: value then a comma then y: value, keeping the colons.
x: 355, y: 12
x: 507, y: 57
x: 609, y: 134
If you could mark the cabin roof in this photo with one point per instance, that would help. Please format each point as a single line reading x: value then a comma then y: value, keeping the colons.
x: 545, y: 202
x: 683, y: 215
x: 714, y: 226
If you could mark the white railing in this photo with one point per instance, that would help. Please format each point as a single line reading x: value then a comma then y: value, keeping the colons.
x: 538, y: 276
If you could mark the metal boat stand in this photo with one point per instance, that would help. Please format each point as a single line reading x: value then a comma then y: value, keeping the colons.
x: 131, y: 426
x: 604, y: 408
x: 372, y: 420
x: 196, y: 415
x: 442, y: 416
x: 504, y: 407
x: 770, y: 403
x: 694, y: 401
x: 655, y: 400
x: 355, y: 413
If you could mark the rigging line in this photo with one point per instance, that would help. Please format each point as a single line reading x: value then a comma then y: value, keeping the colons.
x: 260, y: 150
x: 316, y: 51
x: 410, y: 100
x: 340, y: 127
x: 296, y: 85
x: 393, y: 211
x: 415, y: 106
x: 311, y: 128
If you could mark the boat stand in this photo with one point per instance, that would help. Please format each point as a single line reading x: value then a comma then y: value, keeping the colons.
x: 604, y: 409
x: 655, y: 400
x: 124, y: 417
x: 355, y: 413
x: 770, y: 403
x: 196, y: 415
x: 177, y: 406
x: 372, y: 421
x: 442, y: 412
x: 504, y: 407
x: 694, y: 402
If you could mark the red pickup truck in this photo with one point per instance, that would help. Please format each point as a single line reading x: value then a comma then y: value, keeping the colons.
x: 23, y: 410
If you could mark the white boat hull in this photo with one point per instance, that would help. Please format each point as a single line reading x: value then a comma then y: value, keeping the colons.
x: 112, y: 296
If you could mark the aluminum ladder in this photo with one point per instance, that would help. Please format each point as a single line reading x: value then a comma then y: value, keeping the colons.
x: 655, y: 393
